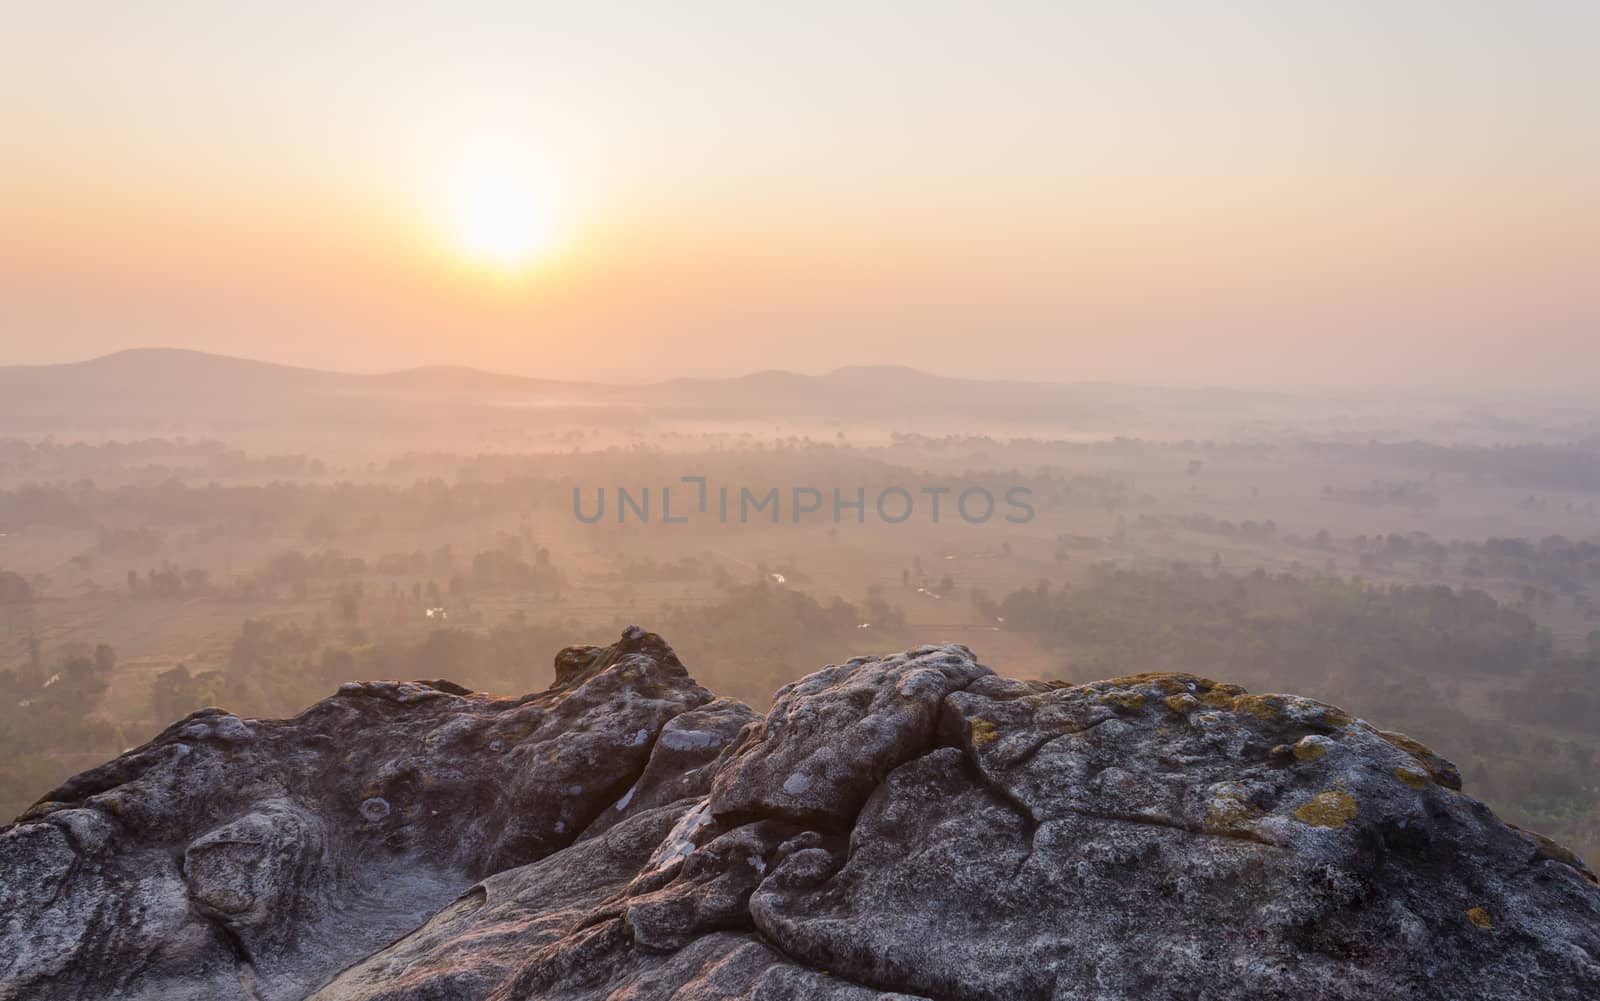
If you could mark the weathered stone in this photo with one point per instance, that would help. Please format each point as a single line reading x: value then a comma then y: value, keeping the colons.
x: 832, y: 737
x: 903, y: 828
x: 235, y: 858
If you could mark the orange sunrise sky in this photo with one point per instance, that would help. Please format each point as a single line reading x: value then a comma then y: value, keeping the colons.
x: 1274, y: 192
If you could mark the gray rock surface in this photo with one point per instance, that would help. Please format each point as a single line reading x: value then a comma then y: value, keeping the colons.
x: 900, y: 827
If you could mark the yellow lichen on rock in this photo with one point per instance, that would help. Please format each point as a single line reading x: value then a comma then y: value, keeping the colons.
x: 1310, y: 749
x: 982, y: 732
x: 1182, y: 704
x: 1479, y: 918
x: 1328, y: 809
x: 1259, y: 706
x: 1162, y: 681
x: 1336, y: 717
x: 1413, y: 776
x: 1439, y: 769
x: 1409, y: 745
x: 1221, y: 696
x: 1231, y: 813
x: 1123, y: 700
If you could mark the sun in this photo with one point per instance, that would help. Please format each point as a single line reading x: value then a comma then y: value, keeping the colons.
x: 501, y: 220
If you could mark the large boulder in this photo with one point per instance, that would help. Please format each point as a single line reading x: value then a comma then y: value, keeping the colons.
x: 251, y: 859
x: 900, y: 827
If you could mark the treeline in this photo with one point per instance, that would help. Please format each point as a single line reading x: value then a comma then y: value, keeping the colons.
x: 515, y: 564
x: 483, y: 486
x: 1555, y: 563
x: 1262, y: 627
x: 1247, y: 529
x: 762, y: 635
x: 1575, y: 467
x: 148, y: 459
x: 52, y: 723
x: 14, y: 588
x: 1381, y: 493
x: 278, y: 668
x: 47, y: 710
x: 318, y: 512
x: 1564, y: 693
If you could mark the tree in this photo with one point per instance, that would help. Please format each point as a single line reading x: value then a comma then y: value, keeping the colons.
x: 14, y: 588
x: 78, y: 670
x: 174, y: 694
x: 347, y: 603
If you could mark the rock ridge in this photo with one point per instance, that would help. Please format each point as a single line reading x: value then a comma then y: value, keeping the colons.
x: 903, y: 826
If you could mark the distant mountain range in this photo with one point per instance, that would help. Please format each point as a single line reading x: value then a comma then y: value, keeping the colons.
x: 164, y: 384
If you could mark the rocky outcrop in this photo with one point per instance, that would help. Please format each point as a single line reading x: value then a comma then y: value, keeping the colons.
x: 234, y: 858
x: 910, y: 826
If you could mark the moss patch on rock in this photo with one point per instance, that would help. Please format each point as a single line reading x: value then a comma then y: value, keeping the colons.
x: 1334, y: 808
x: 982, y: 732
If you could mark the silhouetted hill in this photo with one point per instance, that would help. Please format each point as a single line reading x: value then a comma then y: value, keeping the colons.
x: 169, y: 389
x: 160, y: 384
x: 164, y: 384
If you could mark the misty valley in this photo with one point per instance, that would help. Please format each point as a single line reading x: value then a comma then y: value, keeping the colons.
x: 1433, y: 568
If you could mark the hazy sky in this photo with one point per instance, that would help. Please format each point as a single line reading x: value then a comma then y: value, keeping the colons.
x: 1272, y: 191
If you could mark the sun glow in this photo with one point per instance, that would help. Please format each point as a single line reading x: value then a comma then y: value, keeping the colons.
x: 503, y: 220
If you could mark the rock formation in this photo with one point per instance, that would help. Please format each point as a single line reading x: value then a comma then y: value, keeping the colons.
x: 900, y: 827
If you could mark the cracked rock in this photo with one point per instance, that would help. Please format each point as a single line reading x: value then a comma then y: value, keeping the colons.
x: 895, y: 828
x: 832, y: 737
